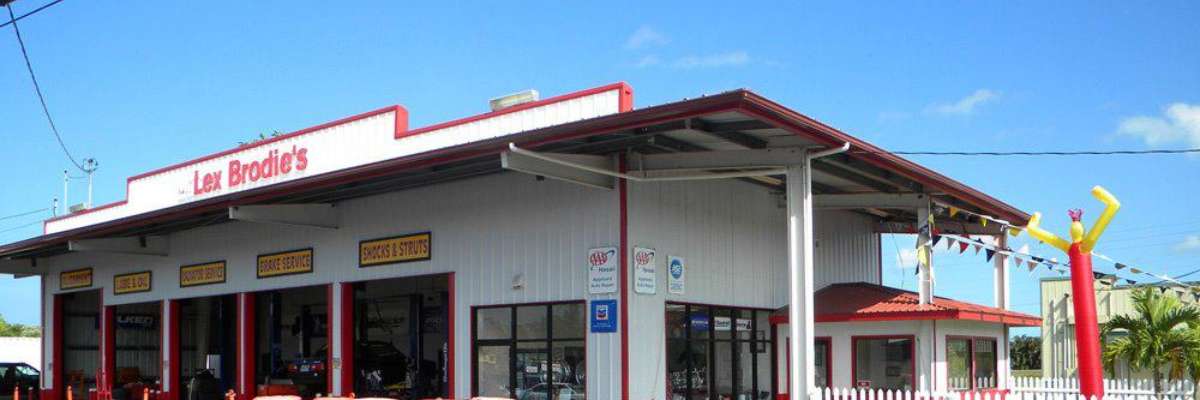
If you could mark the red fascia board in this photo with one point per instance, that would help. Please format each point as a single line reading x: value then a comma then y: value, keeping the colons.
x: 625, y: 104
x: 401, y: 124
x: 799, y: 123
x: 1006, y: 319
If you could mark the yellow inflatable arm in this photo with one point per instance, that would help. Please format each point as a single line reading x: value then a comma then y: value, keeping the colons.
x: 1111, y: 205
x: 1036, y: 231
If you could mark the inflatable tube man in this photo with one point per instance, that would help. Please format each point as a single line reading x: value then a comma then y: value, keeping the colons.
x: 1083, y: 295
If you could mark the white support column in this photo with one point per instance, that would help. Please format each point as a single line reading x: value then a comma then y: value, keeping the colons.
x: 924, y: 272
x: 800, y: 267
x: 1000, y: 273
x: 165, y: 345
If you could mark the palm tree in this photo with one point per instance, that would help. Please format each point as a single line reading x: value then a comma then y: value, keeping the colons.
x: 1155, y: 337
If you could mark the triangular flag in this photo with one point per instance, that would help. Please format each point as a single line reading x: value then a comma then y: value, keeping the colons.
x: 936, y: 238
x: 1014, y: 231
x: 1039, y: 259
x: 977, y: 247
x: 983, y: 221
x: 949, y: 242
x: 962, y: 246
x: 1135, y: 270
x: 1097, y: 275
x: 922, y: 256
x: 1120, y: 266
x: 953, y: 211
x: 1018, y: 261
x: 990, y: 253
x: 1032, y: 265
x: 1162, y: 289
x: 1131, y: 281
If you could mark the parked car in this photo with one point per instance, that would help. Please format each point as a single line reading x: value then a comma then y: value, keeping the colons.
x: 17, y: 374
x: 369, y: 356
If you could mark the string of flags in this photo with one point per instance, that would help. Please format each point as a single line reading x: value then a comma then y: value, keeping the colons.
x: 1023, y: 258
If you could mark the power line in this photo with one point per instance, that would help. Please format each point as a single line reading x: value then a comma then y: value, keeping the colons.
x: 37, y: 88
x: 31, y: 223
x: 1033, y: 153
x: 35, y: 11
x: 24, y: 213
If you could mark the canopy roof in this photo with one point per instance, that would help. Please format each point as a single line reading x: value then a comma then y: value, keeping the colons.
x: 733, y: 120
x: 861, y: 301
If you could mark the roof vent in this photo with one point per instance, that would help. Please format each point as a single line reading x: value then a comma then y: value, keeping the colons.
x: 518, y: 98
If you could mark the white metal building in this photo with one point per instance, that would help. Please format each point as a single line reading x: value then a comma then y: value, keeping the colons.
x: 568, y: 248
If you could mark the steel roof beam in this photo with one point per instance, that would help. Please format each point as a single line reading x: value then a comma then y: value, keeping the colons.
x: 319, y: 215
x: 138, y: 245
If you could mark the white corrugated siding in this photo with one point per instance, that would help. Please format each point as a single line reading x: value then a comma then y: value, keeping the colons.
x: 486, y: 230
x: 733, y: 236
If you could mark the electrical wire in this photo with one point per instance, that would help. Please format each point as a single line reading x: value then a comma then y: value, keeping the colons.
x: 35, y: 11
x: 1032, y: 153
x: 24, y: 213
x: 37, y: 88
x: 31, y: 223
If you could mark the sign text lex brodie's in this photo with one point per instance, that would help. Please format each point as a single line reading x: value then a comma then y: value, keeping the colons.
x: 276, y: 163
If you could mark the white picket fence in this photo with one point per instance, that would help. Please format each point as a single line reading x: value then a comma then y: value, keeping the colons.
x: 1111, y: 386
x: 1021, y: 389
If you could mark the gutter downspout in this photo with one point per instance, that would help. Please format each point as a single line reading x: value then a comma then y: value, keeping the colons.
x: 801, y: 321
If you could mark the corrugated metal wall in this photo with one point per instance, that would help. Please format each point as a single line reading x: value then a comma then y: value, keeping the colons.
x: 733, y: 236
x: 489, y: 231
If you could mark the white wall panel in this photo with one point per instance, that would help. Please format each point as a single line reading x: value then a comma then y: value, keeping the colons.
x: 732, y: 235
x: 486, y: 230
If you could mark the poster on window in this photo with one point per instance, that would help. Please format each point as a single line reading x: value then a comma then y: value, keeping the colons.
x: 722, y: 324
x: 645, y: 280
x: 676, y: 272
x: 602, y: 270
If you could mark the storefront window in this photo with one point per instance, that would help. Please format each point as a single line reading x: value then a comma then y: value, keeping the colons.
x: 884, y: 363
x: 546, y: 358
x: 972, y: 363
x: 718, y: 353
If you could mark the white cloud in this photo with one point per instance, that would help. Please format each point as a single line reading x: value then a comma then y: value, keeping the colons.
x: 965, y: 105
x: 730, y: 59
x: 1180, y: 124
x: 907, y: 258
x: 645, y: 37
x: 647, y: 61
x: 1190, y: 243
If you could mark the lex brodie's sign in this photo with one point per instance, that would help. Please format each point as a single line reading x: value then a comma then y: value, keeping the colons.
x: 75, y: 279
x: 285, y: 263
x: 132, y: 283
x: 202, y: 274
x: 392, y: 250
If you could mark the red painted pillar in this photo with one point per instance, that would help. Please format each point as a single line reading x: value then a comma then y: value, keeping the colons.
x: 1087, y: 331
x: 170, y: 331
x: 108, y: 349
x: 58, y: 386
x: 245, y: 346
x: 345, y: 320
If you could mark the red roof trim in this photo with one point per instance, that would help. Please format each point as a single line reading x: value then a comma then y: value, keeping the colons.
x: 625, y: 104
x: 866, y: 302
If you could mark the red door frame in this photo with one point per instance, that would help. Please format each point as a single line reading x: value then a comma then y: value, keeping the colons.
x: 245, y: 346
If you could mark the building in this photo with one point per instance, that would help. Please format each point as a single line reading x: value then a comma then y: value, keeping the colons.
x: 1058, y: 323
x: 567, y: 248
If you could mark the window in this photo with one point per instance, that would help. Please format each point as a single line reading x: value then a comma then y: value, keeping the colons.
x: 884, y: 362
x: 718, y: 353
x: 530, y: 351
x: 822, y: 355
x: 971, y: 363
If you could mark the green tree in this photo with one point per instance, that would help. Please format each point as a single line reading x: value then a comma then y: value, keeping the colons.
x: 1026, y: 352
x: 18, y: 330
x: 1155, y: 337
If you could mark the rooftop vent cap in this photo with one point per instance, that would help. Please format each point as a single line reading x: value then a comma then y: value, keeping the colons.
x: 509, y: 100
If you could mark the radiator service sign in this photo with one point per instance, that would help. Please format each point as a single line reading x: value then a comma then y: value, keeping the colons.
x: 202, y: 274
x: 602, y: 270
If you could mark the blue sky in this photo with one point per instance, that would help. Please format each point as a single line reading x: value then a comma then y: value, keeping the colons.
x: 142, y: 85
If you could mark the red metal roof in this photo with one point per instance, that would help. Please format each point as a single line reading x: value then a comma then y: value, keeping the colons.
x: 861, y: 301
